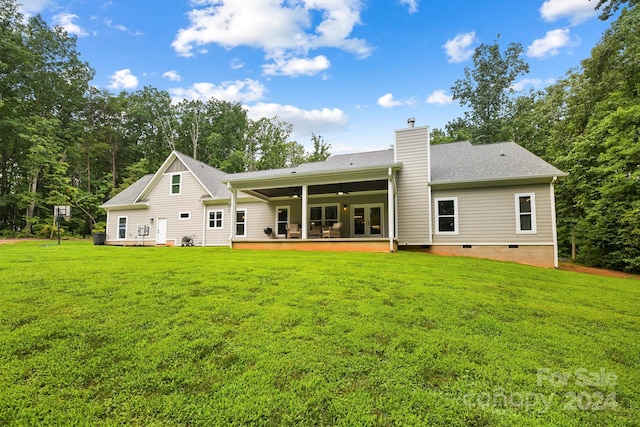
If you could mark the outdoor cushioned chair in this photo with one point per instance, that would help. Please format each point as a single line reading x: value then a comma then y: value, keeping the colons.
x: 333, y: 231
x: 294, y: 231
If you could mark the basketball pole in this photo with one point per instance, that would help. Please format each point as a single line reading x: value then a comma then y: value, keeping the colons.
x: 58, y: 221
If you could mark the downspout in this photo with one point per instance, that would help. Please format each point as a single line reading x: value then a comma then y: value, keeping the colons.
x: 204, y: 224
x: 391, y: 209
x: 553, y: 221
x: 232, y: 214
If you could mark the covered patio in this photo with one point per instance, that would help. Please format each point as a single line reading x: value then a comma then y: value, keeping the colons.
x: 341, y: 204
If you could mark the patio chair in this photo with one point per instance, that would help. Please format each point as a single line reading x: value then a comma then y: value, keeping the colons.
x: 293, y: 231
x: 333, y: 231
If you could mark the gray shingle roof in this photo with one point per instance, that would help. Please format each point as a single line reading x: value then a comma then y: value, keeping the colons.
x: 209, y: 176
x: 464, y: 162
x: 130, y: 194
x: 339, y: 162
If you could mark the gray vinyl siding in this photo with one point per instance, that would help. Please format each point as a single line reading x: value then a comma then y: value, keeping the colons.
x: 258, y: 216
x: 412, y: 150
x: 163, y: 204
x: 488, y: 215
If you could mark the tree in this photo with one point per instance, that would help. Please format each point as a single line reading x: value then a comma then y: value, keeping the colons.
x: 610, y: 7
x: 487, y: 90
x: 320, y: 151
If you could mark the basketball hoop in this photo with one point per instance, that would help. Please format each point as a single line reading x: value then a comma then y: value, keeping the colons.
x: 60, y: 212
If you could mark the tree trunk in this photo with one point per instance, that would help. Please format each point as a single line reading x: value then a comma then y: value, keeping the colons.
x: 32, y: 205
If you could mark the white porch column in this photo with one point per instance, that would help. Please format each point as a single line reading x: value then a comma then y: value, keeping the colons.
x: 232, y: 214
x: 305, y: 222
x: 391, y: 209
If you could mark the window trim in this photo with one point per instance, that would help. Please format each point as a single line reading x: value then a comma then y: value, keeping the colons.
x: 187, y: 218
x: 455, y: 216
x: 126, y: 228
x: 221, y: 211
x: 244, y: 223
x: 534, y: 228
x: 171, y: 184
x: 323, y: 206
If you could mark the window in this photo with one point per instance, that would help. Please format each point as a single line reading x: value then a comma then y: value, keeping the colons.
x: 175, y: 183
x: 526, y: 213
x: 323, y: 214
x: 282, y: 219
x: 184, y: 215
x: 122, y: 227
x: 241, y: 222
x: 447, y: 216
x: 215, y: 219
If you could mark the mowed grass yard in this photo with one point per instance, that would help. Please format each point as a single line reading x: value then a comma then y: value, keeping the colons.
x: 209, y: 336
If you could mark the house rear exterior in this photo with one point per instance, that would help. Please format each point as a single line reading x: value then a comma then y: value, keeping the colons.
x: 491, y: 201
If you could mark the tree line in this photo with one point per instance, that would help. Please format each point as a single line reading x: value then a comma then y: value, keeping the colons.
x: 65, y: 142
x: 587, y: 123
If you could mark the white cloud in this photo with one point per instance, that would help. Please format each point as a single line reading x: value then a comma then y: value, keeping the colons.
x: 32, y: 7
x: 296, y: 66
x: 577, y: 11
x: 243, y: 91
x: 65, y: 20
x: 273, y: 26
x: 172, y: 75
x: 534, y: 83
x: 459, y: 48
x: 109, y: 23
x: 550, y: 44
x: 413, y: 5
x: 439, y: 97
x: 123, y: 79
x: 236, y: 64
x: 304, y: 121
x: 387, y: 101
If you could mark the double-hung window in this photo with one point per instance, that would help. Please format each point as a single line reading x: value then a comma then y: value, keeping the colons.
x: 241, y: 222
x: 175, y: 183
x: 215, y: 219
x: 447, y: 215
x: 526, y: 213
x: 122, y: 227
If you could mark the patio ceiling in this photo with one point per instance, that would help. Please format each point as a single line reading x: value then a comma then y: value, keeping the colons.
x: 312, y: 190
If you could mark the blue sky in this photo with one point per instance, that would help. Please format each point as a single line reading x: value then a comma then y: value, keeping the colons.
x: 350, y: 70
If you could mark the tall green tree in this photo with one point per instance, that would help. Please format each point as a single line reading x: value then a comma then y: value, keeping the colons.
x: 487, y: 91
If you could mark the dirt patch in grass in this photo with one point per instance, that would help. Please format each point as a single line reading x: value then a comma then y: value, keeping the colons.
x: 570, y: 266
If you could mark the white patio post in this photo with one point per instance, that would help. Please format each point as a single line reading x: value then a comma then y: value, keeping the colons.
x: 391, y: 209
x: 232, y: 214
x: 305, y: 222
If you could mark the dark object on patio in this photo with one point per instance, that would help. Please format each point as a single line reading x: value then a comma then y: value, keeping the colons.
x: 187, y: 241
x: 268, y: 231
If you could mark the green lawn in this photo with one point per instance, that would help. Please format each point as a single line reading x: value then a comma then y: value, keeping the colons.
x: 208, y: 336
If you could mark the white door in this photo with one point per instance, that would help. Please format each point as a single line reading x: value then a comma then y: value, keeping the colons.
x: 161, y: 239
x: 367, y: 220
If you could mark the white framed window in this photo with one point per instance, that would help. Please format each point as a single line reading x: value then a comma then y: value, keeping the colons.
x: 241, y: 223
x: 183, y: 216
x: 325, y: 214
x: 122, y: 227
x: 525, y: 213
x: 176, y: 181
x: 282, y: 220
x: 446, y: 215
x: 215, y: 219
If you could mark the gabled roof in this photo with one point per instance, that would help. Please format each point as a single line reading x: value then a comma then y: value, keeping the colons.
x: 209, y: 177
x: 338, y: 163
x: 129, y: 195
x: 463, y: 162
